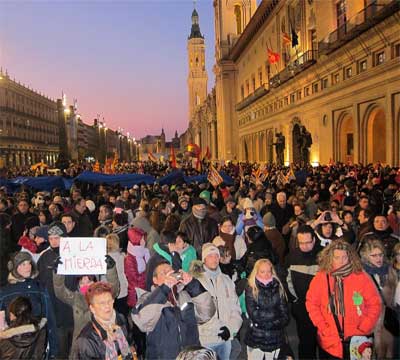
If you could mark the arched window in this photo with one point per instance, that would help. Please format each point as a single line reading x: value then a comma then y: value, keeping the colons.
x: 238, y: 15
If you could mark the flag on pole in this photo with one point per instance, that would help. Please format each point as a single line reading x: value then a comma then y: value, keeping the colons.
x: 207, y: 155
x: 273, y: 57
x: 172, y: 157
x: 214, y: 177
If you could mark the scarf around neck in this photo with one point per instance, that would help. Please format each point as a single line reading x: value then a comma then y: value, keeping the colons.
x: 229, y: 240
x: 337, y: 296
x: 113, y: 338
x: 141, y: 254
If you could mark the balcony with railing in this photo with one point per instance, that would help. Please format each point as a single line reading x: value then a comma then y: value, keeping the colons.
x: 293, y: 68
x: 260, y: 92
x: 362, y: 21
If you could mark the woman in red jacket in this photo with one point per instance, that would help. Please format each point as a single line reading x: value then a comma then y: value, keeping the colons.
x: 135, y: 263
x: 353, y: 299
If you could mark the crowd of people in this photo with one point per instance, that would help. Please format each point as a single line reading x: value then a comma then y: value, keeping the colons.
x: 202, y: 271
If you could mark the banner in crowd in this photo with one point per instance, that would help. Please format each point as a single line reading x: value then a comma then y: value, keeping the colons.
x: 82, y: 256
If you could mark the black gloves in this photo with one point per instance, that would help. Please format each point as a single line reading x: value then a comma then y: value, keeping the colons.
x: 110, y: 262
x: 56, y: 263
x: 224, y: 333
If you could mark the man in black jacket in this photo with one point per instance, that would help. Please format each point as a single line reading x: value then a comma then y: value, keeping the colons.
x: 199, y: 227
x: 63, y: 312
x: 171, y: 313
x: 302, y: 266
x: 84, y: 225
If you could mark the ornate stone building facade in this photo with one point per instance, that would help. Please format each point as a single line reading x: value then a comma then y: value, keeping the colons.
x: 340, y: 82
x: 28, y: 125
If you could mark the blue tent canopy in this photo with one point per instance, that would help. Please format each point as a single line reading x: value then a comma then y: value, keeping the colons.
x: 122, y: 179
x: 174, y: 177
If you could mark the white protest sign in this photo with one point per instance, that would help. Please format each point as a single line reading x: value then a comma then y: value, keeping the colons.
x: 82, y: 256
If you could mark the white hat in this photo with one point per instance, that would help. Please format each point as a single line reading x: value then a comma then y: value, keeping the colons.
x: 208, y: 249
x: 247, y: 204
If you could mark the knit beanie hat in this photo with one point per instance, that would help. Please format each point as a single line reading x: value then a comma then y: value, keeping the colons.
x: 182, y: 199
x: 208, y: 249
x: 269, y: 220
x: 57, y: 228
x: 43, y: 232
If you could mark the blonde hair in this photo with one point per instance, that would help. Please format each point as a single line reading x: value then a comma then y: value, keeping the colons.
x: 252, y: 278
x: 325, y: 257
x: 370, y: 245
x: 112, y: 243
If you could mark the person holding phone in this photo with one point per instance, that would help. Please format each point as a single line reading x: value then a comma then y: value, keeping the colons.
x: 171, y: 313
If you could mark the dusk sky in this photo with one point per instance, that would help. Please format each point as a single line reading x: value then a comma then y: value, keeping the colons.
x: 124, y: 60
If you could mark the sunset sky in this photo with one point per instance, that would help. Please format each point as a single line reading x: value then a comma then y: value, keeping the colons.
x: 124, y: 60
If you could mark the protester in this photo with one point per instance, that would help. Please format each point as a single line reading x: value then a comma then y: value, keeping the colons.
x: 171, y: 312
x: 26, y: 336
x: 374, y: 263
x: 268, y: 312
x: 105, y: 335
x: 301, y: 265
x: 341, y: 290
x: 22, y: 282
x: 218, y: 333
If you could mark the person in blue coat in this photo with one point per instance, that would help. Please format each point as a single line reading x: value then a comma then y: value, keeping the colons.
x: 22, y: 282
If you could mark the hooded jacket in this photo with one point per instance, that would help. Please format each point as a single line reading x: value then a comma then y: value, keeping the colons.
x: 228, y: 312
x: 355, y: 284
x: 170, y: 328
x: 40, y: 300
x: 24, y: 342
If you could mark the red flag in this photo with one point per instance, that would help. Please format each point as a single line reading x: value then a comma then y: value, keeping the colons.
x: 172, y: 157
x: 273, y: 57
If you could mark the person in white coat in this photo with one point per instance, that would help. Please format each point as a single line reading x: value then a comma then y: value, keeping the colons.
x: 217, y: 333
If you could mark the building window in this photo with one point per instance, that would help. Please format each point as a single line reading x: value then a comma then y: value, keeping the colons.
x: 242, y: 91
x: 253, y: 82
x: 335, y: 78
x: 286, y: 100
x: 324, y: 83
x: 247, y: 87
x: 348, y: 72
x: 315, y: 88
x: 306, y: 91
x: 341, y: 18
x: 362, y: 66
x: 299, y: 95
x: 379, y: 58
x: 396, y: 51
x: 292, y: 98
x: 260, y: 76
x: 238, y: 15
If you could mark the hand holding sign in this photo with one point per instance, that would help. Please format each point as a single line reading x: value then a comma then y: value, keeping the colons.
x: 82, y: 256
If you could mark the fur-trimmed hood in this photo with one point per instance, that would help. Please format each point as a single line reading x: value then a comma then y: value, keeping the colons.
x: 19, y: 331
x: 196, y: 269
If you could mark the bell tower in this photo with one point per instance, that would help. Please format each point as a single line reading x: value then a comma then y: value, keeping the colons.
x: 197, y: 77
